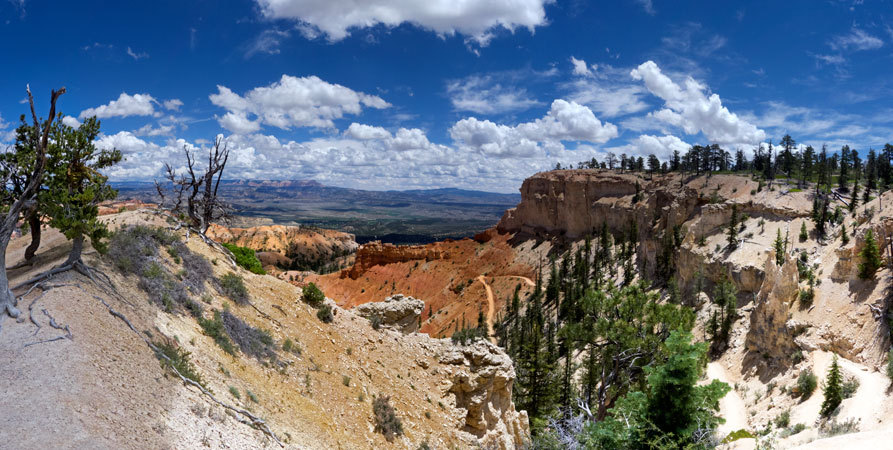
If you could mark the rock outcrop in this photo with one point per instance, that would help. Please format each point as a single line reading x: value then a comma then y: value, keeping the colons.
x: 569, y: 202
x: 482, y: 379
x: 286, y: 245
x: 395, y: 312
x: 769, y: 332
x: 375, y: 253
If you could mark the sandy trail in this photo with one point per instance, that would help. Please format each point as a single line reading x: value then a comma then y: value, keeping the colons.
x: 491, y: 308
x: 526, y: 280
x: 731, y: 407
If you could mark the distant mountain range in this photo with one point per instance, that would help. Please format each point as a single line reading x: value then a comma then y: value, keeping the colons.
x: 412, y: 216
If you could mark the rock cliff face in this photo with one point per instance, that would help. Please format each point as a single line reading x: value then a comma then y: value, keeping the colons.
x: 482, y: 378
x: 395, y: 312
x: 769, y: 332
x: 569, y: 202
x: 375, y: 254
x: 283, y: 245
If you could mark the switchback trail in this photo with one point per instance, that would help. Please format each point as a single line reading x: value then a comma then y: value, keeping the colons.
x: 526, y: 280
x: 491, y: 308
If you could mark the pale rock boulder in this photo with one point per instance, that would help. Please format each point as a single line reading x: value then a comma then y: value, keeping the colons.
x: 481, y: 384
x: 397, y: 312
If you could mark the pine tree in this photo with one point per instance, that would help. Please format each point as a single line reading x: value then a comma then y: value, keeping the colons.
x: 733, y: 228
x: 804, y: 234
x: 843, y: 234
x: 843, y: 181
x: 833, y: 390
x: 779, y: 249
x: 871, y: 257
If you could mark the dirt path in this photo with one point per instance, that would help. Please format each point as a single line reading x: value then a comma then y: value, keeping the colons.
x: 731, y: 407
x: 491, y: 308
x: 526, y: 280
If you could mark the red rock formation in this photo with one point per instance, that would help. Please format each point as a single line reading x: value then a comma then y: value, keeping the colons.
x: 114, y: 207
x: 377, y: 254
x: 279, y: 243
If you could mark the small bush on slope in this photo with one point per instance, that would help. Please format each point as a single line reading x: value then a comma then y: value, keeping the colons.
x: 386, y: 420
x: 806, y: 384
x: 233, y: 286
x: 312, y: 296
x: 246, y: 258
x: 252, y: 341
x: 325, y: 313
x: 178, y: 359
x: 214, y: 328
x: 135, y: 250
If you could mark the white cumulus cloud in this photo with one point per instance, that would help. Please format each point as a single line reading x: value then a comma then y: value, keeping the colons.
x: 173, y: 104
x: 476, y: 19
x: 565, y: 121
x: 690, y: 108
x: 291, y: 102
x: 126, y: 105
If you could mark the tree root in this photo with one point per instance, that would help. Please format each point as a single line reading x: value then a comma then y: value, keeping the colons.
x: 265, y: 315
x: 249, y: 419
x: 25, y: 263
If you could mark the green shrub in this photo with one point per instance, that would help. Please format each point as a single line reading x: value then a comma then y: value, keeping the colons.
x: 235, y: 392
x: 173, y: 357
x: 233, y: 286
x: 214, y: 328
x: 312, y: 296
x: 783, y: 420
x: 345, y: 380
x: 738, y: 434
x: 806, y: 383
x: 325, y: 313
x: 386, y: 420
x: 890, y: 364
x: 291, y: 347
x: 251, y: 396
x: 849, y: 387
x: 246, y: 258
x: 834, y: 428
x: 806, y: 297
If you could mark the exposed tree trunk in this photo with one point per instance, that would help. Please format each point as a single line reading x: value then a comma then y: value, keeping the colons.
x: 7, y: 298
x: 77, y: 247
x: 34, y: 224
x: 8, y: 224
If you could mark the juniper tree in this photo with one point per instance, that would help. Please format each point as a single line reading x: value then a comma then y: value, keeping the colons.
x: 76, y: 187
x: 14, y: 202
x: 17, y: 167
x: 670, y: 409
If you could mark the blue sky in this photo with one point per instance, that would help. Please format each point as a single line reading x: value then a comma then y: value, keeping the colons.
x: 399, y: 94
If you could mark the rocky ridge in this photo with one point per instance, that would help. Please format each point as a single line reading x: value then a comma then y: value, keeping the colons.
x: 377, y: 254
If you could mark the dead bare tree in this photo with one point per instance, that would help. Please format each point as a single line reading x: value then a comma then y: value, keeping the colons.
x: 17, y: 202
x: 197, y: 189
